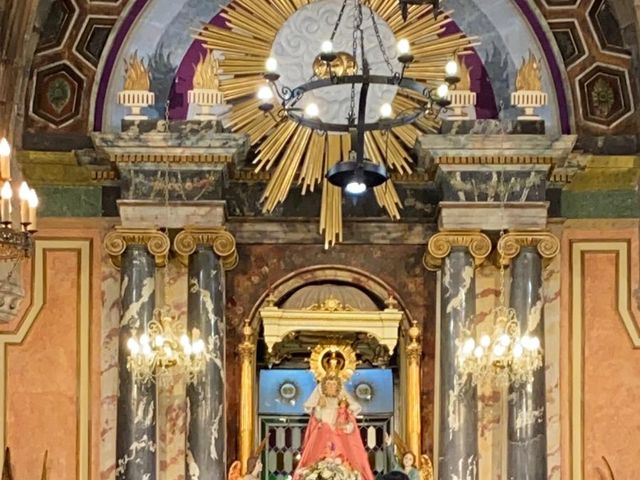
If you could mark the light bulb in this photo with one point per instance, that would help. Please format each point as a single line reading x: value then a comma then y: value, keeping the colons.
x: 526, y: 342
x: 146, y: 350
x: 198, y: 346
x: 478, y: 351
x: 6, y: 193
x: 499, y: 350
x: 312, y: 110
x: 443, y: 90
x: 159, y: 340
x: 271, y: 65
x: 184, y: 339
x: 327, y: 46
x: 403, y: 47
x: 355, y: 187
x: 264, y: 93
x: 451, y: 68
x: 504, y: 340
x: 5, y: 148
x: 144, y: 339
x: 133, y: 346
x: 23, y: 192
x: 518, y: 351
x: 468, y: 346
x: 187, y: 349
x: 33, y: 199
x: 485, y: 341
x: 385, y: 110
x: 168, y: 351
x: 535, y: 343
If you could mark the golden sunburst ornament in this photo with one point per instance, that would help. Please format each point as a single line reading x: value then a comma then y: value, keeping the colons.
x: 296, y: 153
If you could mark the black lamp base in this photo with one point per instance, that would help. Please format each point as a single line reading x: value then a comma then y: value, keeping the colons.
x: 366, y: 172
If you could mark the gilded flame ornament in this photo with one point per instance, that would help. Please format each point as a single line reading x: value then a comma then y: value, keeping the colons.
x: 136, y: 75
x: 529, y: 76
x: 206, y: 73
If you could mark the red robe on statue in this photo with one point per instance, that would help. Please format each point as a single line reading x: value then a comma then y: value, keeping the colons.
x: 332, y: 431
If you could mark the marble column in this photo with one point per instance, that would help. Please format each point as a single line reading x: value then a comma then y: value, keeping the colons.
x: 527, y: 423
x: 209, y: 252
x: 458, y: 253
x: 136, y: 253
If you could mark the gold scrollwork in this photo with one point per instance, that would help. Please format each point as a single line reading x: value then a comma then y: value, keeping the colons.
x: 117, y: 240
x: 221, y: 241
x: 510, y: 244
x: 441, y: 243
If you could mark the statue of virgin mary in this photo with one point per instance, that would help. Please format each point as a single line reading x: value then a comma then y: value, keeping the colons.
x: 332, y: 431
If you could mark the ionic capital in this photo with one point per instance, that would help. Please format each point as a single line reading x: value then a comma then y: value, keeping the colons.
x: 441, y: 243
x: 117, y: 241
x: 510, y: 244
x: 221, y: 241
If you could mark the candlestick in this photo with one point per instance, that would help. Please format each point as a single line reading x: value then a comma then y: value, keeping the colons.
x: 5, y: 159
x: 23, y: 193
x: 33, y: 210
x: 5, y: 208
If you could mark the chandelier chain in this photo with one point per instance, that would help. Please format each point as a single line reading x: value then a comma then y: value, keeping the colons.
x: 338, y: 21
x: 383, y: 50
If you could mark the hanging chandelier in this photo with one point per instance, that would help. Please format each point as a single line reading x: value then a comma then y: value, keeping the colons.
x: 16, y: 240
x: 504, y: 357
x: 165, y: 350
x: 317, y: 124
x: 333, y: 68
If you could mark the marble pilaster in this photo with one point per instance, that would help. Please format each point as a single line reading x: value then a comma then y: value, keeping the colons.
x: 137, y: 253
x: 526, y: 409
x: 458, y: 253
x: 208, y: 252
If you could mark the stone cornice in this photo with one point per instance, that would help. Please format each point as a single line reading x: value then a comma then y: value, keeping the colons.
x: 117, y: 241
x: 441, y: 243
x: 511, y: 243
x: 221, y: 241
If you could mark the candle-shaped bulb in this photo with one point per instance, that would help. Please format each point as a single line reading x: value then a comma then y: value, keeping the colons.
x: 6, y: 193
x: 5, y: 148
x: 327, y: 46
x: 443, y: 90
x: 265, y: 94
x: 33, y: 209
x: 271, y: 65
x: 312, y: 110
x: 5, y: 205
x: 451, y: 68
x: 5, y: 159
x: 385, y: 110
x: 23, y: 194
x: 403, y: 47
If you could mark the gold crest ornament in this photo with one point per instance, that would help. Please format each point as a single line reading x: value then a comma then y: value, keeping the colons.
x: 338, y: 360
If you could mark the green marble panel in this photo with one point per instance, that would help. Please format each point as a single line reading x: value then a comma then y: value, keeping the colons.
x: 70, y: 201
x: 601, y: 204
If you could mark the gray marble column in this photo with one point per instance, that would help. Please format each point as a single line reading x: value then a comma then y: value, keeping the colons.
x: 136, y: 414
x: 458, y: 432
x: 527, y: 425
x: 206, y: 439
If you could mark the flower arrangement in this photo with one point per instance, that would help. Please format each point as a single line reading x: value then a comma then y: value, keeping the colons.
x: 329, y: 468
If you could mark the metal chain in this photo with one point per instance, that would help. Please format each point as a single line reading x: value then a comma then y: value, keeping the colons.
x: 357, y: 25
x: 337, y: 24
x: 380, y: 42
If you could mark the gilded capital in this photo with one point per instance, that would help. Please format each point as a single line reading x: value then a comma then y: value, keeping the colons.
x: 510, y: 244
x: 441, y: 243
x: 117, y: 241
x: 247, y: 347
x: 221, y: 241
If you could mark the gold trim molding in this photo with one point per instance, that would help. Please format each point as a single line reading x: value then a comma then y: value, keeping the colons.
x: 441, y: 243
x: 207, y: 158
x: 116, y: 242
x: 40, y: 278
x: 579, y: 248
x: 510, y: 244
x: 221, y: 241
